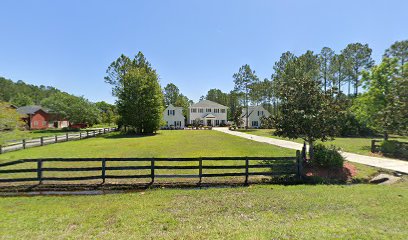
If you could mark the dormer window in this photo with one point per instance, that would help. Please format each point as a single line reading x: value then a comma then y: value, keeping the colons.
x: 208, y: 110
x: 171, y: 112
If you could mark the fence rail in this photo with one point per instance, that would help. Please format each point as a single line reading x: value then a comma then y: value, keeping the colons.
x: 42, y: 141
x: 276, y: 166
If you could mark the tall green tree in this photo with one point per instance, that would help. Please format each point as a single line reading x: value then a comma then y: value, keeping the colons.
x: 140, y: 99
x: 307, y: 111
x: 398, y: 50
x: 216, y: 95
x: 325, y: 58
x: 358, y: 58
x: 338, y: 71
x: 171, y: 94
x: 383, y: 107
x: 243, y: 79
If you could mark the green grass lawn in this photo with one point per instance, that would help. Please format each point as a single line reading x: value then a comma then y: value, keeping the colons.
x: 358, y: 145
x: 182, y: 143
x: 256, y: 212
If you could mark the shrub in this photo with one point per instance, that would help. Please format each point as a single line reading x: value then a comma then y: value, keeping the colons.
x: 394, y: 148
x: 327, y: 157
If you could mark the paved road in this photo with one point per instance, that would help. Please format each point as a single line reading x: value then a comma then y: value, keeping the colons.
x: 386, y: 163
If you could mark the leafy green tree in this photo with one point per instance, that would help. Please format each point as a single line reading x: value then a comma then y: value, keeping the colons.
x: 22, y: 100
x: 237, y: 117
x: 74, y: 109
x: 398, y: 50
x: 140, y: 99
x: 383, y: 106
x: 107, y: 112
x: 216, y: 95
x: 307, y: 112
x: 358, y: 58
x: 184, y: 102
x: 243, y: 79
x: 325, y: 58
x: 171, y: 94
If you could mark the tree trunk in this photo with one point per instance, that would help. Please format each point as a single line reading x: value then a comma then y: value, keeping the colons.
x: 311, y: 150
x: 386, y: 136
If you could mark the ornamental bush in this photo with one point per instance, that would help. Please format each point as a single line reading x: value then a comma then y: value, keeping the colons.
x: 327, y: 157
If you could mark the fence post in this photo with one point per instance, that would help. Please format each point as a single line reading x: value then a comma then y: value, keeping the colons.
x: 200, y: 169
x: 39, y: 171
x: 1, y: 149
x: 94, y: 133
x: 23, y: 142
x: 299, y: 162
x: 152, y: 170
x: 104, y: 130
x: 246, y: 170
x: 80, y: 135
x: 56, y: 138
x: 103, y: 170
x: 87, y: 133
x: 66, y: 136
x: 373, y: 145
x: 42, y: 141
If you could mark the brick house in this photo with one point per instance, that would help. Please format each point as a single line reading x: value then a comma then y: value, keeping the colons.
x: 38, y: 117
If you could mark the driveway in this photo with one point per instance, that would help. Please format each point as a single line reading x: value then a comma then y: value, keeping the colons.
x: 386, y: 163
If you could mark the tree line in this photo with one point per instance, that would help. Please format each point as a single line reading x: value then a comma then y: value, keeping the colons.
x: 76, y: 109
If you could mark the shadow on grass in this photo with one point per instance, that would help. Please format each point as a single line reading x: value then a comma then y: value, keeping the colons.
x: 127, y: 135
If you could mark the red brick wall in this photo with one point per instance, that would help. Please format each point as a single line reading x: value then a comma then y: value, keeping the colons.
x: 39, y: 120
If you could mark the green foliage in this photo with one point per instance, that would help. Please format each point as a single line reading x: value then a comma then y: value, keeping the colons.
x: 107, y: 112
x: 394, y: 149
x: 10, y: 119
x: 238, y: 121
x: 173, y: 96
x: 267, y: 122
x: 398, y: 50
x: 140, y: 99
x: 327, y: 157
x: 307, y: 112
x: 22, y: 100
x: 243, y: 80
x: 74, y: 109
x: 20, y: 91
x: 325, y: 59
x: 383, y: 107
x: 357, y: 58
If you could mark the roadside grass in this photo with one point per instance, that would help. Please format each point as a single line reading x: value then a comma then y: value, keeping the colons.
x: 257, y: 212
x: 359, y: 145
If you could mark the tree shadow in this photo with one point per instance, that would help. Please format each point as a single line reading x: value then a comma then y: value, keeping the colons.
x: 128, y: 135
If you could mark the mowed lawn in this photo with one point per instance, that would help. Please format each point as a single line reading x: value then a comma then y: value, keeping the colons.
x: 171, y: 144
x: 256, y: 212
x: 359, y: 145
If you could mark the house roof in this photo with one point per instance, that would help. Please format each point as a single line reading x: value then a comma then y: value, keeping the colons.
x: 207, y: 103
x: 251, y: 109
x: 31, y: 109
x: 172, y: 106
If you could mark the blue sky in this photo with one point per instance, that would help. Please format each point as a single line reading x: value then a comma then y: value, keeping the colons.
x: 197, y: 45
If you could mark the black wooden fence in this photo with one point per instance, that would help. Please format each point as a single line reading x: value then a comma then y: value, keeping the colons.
x: 41, y: 141
x: 274, y: 166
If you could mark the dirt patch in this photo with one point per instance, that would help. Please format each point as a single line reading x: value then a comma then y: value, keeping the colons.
x: 344, y: 174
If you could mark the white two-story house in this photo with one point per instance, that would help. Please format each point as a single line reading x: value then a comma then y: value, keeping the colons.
x: 173, y: 117
x: 254, y: 116
x: 208, y: 112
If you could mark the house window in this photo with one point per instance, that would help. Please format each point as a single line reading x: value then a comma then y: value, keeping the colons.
x: 222, y: 110
x: 208, y: 110
x: 255, y: 123
x: 35, y: 123
x: 171, y: 112
x: 217, y: 122
x: 216, y: 110
x: 200, y: 110
x: 44, y: 123
x: 194, y: 110
x: 222, y: 121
